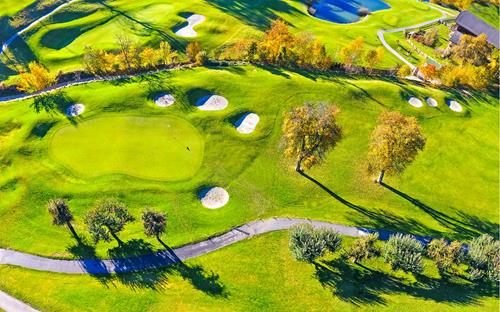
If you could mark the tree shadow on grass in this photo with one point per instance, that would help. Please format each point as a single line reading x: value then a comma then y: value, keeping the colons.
x: 361, y: 285
x: 458, y: 226
x: 54, y: 102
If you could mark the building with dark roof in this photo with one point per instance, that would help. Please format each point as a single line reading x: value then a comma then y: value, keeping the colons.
x: 469, y: 24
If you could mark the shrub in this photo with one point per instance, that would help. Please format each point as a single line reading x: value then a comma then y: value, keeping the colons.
x: 484, y: 258
x: 363, y: 248
x: 332, y: 239
x: 403, y: 252
x: 445, y: 255
x: 404, y: 71
x: 305, y: 244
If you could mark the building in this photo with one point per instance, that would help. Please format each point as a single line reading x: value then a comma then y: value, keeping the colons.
x: 469, y: 24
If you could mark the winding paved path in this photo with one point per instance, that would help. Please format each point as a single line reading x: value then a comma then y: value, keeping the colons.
x: 6, y: 44
x: 167, y: 257
x: 11, y: 304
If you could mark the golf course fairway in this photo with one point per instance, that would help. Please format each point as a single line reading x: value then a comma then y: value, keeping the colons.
x: 157, y: 148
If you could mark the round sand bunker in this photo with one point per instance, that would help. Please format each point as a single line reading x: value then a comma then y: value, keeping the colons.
x: 455, y: 106
x: 188, y: 31
x: 415, y: 102
x: 247, y: 123
x: 212, y: 103
x: 431, y: 102
x: 213, y: 198
x: 75, y: 110
x: 165, y: 100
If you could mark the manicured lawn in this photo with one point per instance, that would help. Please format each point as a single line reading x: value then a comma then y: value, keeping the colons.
x: 9, y: 8
x: 255, y: 275
x: 60, y: 42
x: 451, y: 189
x: 158, y: 148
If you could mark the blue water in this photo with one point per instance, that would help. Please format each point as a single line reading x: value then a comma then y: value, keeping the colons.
x: 345, y: 11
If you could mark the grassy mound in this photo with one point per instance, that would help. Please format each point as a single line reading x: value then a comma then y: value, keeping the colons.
x: 160, y: 148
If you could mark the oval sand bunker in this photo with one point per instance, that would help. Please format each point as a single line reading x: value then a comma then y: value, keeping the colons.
x: 188, y: 31
x: 165, y: 100
x: 455, y: 106
x: 415, y: 102
x: 247, y: 123
x: 213, y: 198
x: 75, y: 110
x: 212, y: 103
x: 431, y: 102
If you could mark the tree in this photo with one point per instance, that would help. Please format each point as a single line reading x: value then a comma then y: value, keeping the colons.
x: 428, y: 70
x: 484, y: 258
x: 332, y: 239
x: 149, y: 58
x: 166, y: 56
x: 404, y: 71
x: 395, y: 143
x: 108, y: 217
x: 155, y: 223
x: 125, y: 53
x: 307, y: 243
x: 201, y: 58
x: 363, y: 248
x: 276, y: 47
x: 35, y: 79
x: 403, y: 252
x: 61, y: 214
x: 309, y: 132
x: 374, y: 57
x: 351, y: 53
x: 192, y: 50
x: 445, y: 255
x: 473, y: 50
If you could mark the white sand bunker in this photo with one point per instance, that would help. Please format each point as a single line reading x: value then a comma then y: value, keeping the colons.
x: 431, y: 102
x: 213, y: 198
x: 212, y: 103
x: 165, y: 100
x: 455, y: 106
x: 188, y: 31
x: 415, y: 102
x: 247, y: 123
x: 75, y: 110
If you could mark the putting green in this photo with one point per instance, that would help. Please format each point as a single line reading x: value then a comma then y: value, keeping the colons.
x: 159, y: 148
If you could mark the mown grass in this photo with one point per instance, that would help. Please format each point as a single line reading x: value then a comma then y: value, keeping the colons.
x: 451, y: 189
x: 489, y: 13
x: 255, y: 275
x: 59, y: 43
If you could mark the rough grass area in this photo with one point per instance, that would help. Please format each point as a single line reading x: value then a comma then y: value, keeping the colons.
x: 489, y: 13
x: 255, y: 275
x: 59, y: 43
x: 451, y: 189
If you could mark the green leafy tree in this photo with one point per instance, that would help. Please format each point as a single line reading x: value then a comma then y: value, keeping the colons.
x: 484, y: 258
x: 332, y: 239
x: 473, y: 50
x: 305, y: 243
x: 309, y: 132
x: 445, y: 255
x: 395, y: 143
x: 403, y: 252
x: 108, y: 217
x: 404, y: 71
x: 363, y: 248
x: 155, y: 223
x: 61, y: 214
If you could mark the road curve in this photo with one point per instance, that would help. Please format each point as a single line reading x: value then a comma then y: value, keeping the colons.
x: 167, y: 257
x: 11, y: 304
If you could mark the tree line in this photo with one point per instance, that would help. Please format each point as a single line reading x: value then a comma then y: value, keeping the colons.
x: 481, y: 255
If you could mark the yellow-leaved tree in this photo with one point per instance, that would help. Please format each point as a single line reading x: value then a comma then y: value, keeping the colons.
x: 395, y: 143
x: 35, y: 79
x: 309, y: 132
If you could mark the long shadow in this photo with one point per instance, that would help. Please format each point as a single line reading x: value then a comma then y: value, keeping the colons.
x: 358, y: 284
x: 445, y: 220
x: 381, y: 220
x: 256, y: 13
x: 172, y: 41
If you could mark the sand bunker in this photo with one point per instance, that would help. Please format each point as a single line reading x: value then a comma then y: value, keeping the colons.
x: 212, y: 103
x: 188, y: 31
x: 165, y: 100
x: 75, y: 110
x: 455, y: 106
x: 431, y: 102
x: 213, y: 198
x: 415, y: 102
x: 247, y: 123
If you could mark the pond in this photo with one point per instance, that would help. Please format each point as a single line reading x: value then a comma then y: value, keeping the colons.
x: 345, y: 11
